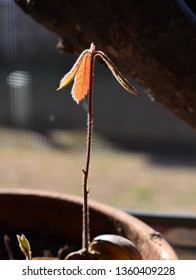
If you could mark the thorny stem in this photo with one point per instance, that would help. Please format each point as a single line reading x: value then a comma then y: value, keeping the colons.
x: 86, y: 231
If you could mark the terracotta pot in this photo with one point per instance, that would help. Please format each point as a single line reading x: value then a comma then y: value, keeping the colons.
x: 51, y: 218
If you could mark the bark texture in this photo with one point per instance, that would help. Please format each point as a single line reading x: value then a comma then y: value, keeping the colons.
x: 153, y: 41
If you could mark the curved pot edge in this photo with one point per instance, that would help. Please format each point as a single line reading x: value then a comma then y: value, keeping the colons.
x: 132, y: 228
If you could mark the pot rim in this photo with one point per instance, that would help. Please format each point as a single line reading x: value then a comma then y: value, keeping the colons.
x: 145, y: 238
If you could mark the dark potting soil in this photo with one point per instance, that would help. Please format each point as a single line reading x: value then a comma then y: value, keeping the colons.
x: 40, y: 247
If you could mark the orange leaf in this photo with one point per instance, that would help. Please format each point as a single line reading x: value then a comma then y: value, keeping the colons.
x: 82, y: 78
x: 70, y: 75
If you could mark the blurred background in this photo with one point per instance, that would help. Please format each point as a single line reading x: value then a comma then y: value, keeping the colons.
x: 144, y: 157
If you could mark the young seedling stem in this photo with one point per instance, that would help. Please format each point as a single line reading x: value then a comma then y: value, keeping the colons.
x: 86, y: 230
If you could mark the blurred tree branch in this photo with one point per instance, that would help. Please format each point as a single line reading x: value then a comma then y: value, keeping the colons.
x: 153, y: 41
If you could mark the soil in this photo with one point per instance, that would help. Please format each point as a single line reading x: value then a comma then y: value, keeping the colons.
x: 41, y: 247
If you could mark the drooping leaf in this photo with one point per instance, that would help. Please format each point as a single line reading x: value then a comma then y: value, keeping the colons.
x: 70, y: 75
x: 82, y: 78
x: 117, y: 74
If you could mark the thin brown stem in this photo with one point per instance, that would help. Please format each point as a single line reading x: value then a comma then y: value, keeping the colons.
x: 8, y: 246
x: 86, y: 231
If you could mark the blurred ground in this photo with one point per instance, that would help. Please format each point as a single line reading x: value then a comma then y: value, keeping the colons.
x: 119, y: 177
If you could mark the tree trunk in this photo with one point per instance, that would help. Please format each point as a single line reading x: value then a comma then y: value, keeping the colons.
x: 153, y: 41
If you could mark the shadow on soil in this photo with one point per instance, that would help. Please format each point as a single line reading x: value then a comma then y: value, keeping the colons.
x: 163, y: 154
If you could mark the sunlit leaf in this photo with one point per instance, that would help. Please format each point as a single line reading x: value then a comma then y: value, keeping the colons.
x: 24, y: 246
x: 82, y: 78
x: 70, y: 75
x: 81, y: 73
x: 117, y: 74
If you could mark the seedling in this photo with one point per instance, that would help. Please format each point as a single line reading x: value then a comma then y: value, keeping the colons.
x: 24, y: 246
x: 83, y: 74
